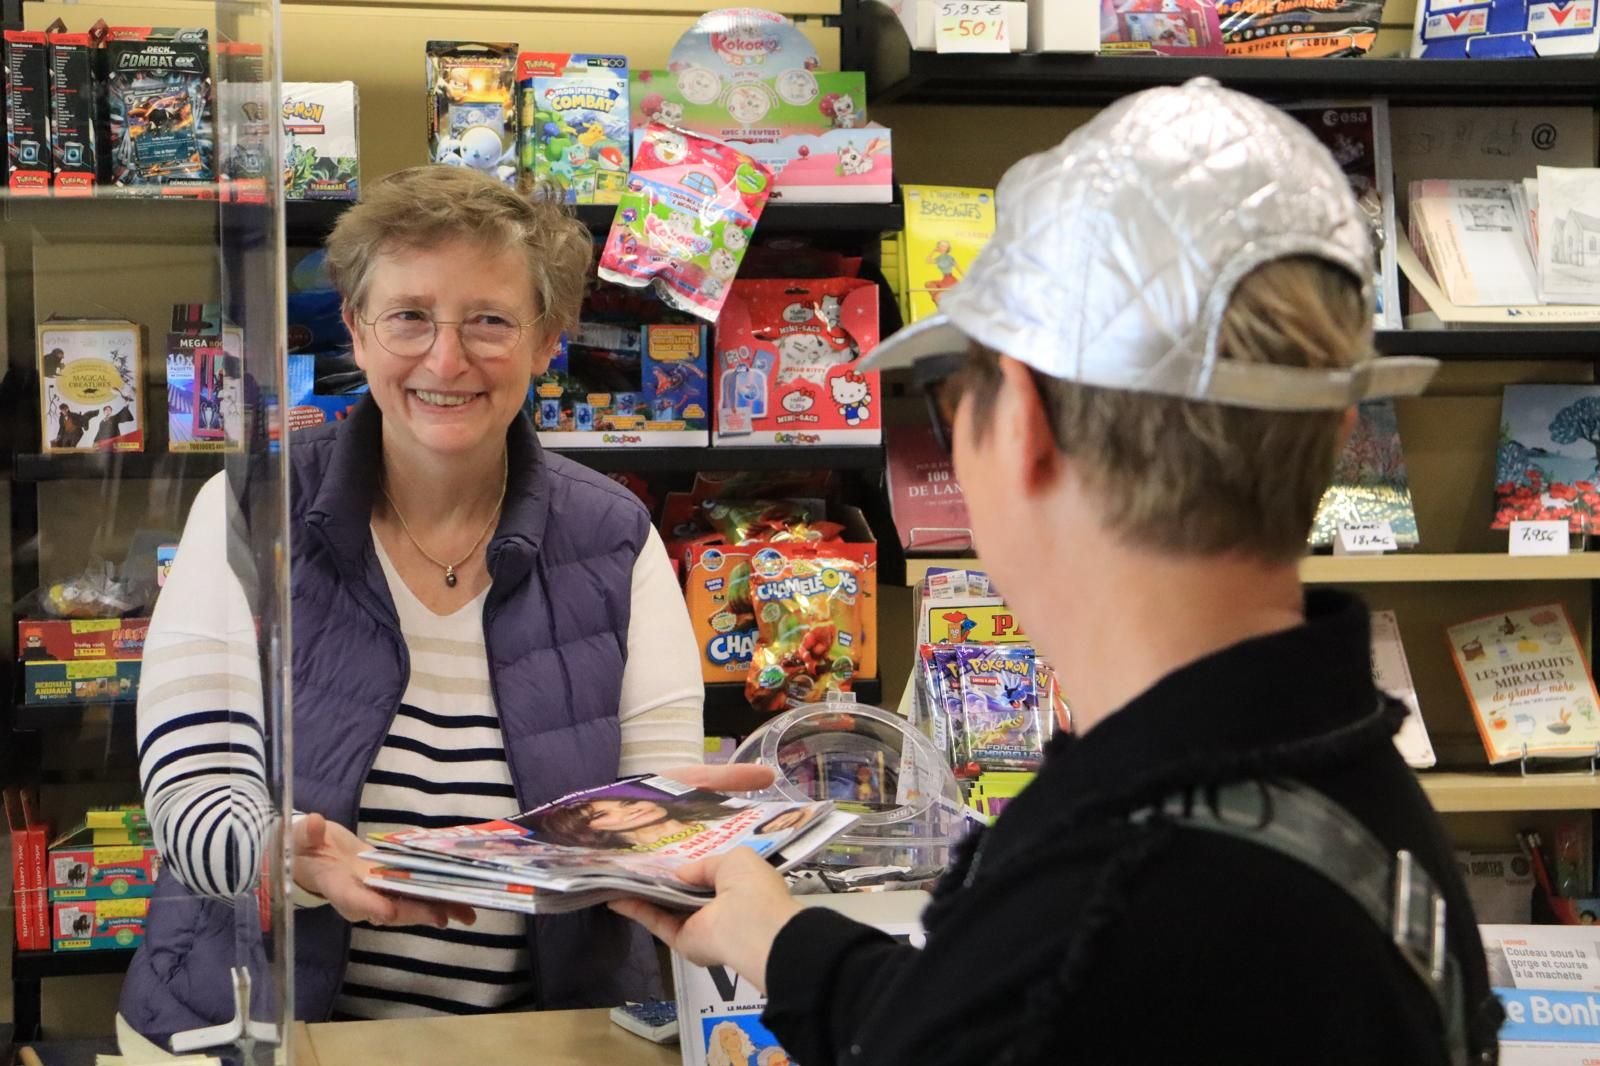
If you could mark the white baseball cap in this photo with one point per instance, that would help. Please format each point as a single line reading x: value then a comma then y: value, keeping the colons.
x: 1116, y: 252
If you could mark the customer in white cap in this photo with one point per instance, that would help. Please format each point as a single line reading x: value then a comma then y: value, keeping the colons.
x: 1145, y: 378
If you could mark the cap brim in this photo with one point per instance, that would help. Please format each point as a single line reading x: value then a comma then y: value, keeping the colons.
x: 932, y: 336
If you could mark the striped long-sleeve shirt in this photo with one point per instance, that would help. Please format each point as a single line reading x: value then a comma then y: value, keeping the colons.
x: 201, y: 756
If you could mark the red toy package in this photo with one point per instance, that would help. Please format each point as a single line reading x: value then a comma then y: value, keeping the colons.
x: 786, y: 363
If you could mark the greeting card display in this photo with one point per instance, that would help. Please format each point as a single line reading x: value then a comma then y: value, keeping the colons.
x: 1528, y: 682
x: 1547, y: 466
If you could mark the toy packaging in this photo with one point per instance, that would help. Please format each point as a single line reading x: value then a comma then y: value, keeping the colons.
x: 1000, y: 709
x: 1300, y: 29
x: 472, y: 110
x: 620, y: 385
x: 946, y: 228
x: 244, y: 121
x: 166, y: 555
x: 27, y: 103
x: 91, y: 375
x: 99, y: 925
x: 81, y: 870
x: 122, y: 815
x: 84, y: 681
x: 808, y: 618
x: 30, y: 896
x: 158, y: 97
x: 786, y: 355
x: 854, y: 166
x: 78, y: 160
x: 70, y: 639
x: 575, y: 139
x: 751, y: 111
x: 1161, y: 27
x: 687, y: 215
x: 205, y: 370
x: 321, y: 147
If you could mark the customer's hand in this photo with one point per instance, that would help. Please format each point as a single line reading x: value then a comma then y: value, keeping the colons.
x: 737, y: 928
x: 328, y: 863
x: 742, y: 777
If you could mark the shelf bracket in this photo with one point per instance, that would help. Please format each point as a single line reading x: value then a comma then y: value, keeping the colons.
x: 1592, y: 758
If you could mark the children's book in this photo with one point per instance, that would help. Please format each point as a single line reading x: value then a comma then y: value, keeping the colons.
x: 1547, y: 465
x: 1528, y: 682
x: 1369, y: 480
x: 1392, y: 674
x: 625, y: 839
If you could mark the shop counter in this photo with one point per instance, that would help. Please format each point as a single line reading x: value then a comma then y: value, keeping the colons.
x: 549, y: 1038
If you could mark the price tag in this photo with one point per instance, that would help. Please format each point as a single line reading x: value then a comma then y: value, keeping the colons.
x: 1540, y: 538
x: 1365, y: 538
x: 971, y: 26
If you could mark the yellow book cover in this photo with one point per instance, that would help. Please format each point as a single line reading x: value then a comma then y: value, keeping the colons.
x: 946, y: 228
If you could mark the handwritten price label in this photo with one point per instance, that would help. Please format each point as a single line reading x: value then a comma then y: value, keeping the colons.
x: 1365, y: 538
x: 971, y: 26
x: 1540, y: 538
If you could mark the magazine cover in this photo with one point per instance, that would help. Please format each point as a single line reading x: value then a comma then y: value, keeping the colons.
x: 1392, y: 674
x: 630, y: 836
x: 1545, y: 977
x: 1547, y: 465
x: 1528, y: 683
x: 1357, y: 135
x: 1369, y: 480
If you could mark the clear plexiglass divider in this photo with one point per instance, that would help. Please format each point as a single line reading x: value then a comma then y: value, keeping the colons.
x: 146, y: 567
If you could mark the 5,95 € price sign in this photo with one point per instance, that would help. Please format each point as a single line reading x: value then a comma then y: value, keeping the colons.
x: 971, y: 26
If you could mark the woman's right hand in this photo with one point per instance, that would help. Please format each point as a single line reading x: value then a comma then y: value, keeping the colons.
x: 328, y: 863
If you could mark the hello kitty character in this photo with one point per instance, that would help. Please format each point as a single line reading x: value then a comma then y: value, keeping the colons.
x: 723, y: 264
x: 853, y: 161
x: 831, y: 312
x: 698, y: 85
x: 734, y: 239
x: 852, y: 396
x: 748, y: 105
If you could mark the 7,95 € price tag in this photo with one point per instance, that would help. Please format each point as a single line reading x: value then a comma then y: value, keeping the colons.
x: 971, y: 26
x: 1540, y: 538
x: 1365, y: 538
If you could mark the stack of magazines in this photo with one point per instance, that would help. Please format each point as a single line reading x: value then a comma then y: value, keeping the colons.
x: 625, y: 839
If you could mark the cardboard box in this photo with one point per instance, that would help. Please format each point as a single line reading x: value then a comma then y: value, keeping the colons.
x: 79, y: 682
x: 98, y: 925
x: 158, y: 99
x: 321, y: 144
x: 759, y: 109
x: 575, y: 123
x: 121, y: 816
x: 72, y: 639
x: 79, y: 870
x: 91, y: 385
x: 27, y: 102
x: 205, y: 382
x: 78, y: 159
x: 30, y: 901
x: 615, y: 385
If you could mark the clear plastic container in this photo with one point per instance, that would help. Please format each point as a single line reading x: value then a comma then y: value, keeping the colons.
x: 873, y: 763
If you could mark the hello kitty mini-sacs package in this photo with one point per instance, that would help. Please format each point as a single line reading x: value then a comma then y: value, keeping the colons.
x: 787, y: 354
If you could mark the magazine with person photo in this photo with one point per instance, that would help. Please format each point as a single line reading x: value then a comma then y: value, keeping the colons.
x: 630, y: 837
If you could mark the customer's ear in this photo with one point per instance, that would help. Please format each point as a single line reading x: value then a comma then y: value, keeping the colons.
x: 544, y: 352
x: 1023, y: 422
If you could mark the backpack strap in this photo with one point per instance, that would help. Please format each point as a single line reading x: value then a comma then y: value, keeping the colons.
x: 1394, y: 890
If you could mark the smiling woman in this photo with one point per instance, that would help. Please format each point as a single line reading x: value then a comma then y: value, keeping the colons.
x: 463, y: 647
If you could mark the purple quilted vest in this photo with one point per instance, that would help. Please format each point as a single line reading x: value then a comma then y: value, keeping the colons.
x: 556, y: 624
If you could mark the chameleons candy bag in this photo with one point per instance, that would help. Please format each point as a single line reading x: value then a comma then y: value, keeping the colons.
x: 687, y: 215
x: 1000, y: 707
x: 766, y: 521
x: 808, y: 614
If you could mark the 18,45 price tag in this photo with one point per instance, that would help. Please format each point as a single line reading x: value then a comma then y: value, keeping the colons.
x: 971, y: 26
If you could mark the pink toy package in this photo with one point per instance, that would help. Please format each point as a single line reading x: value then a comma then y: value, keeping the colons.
x: 1164, y: 27
x: 787, y: 355
x: 686, y: 217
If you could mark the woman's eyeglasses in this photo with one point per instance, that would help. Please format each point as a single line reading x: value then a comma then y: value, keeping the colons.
x: 410, y: 333
x: 941, y: 379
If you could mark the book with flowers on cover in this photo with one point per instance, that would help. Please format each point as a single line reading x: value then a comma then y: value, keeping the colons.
x: 1528, y: 682
x: 625, y: 839
x: 1547, y: 466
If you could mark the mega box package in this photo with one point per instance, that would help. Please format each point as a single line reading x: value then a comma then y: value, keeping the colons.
x: 27, y: 103
x: 78, y: 160
x: 81, y: 869
x: 625, y: 384
x: 91, y: 381
x: 98, y: 925
x: 575, y: 140
x: 472, y: 106
x: 158, y: 100
x: 205, y: 382
x: 321, y: 149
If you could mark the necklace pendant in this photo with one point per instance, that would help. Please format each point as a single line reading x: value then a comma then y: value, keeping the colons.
x: 450, y: 576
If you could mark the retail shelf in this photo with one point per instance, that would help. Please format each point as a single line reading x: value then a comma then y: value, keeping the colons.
x: 651, y: 460
x: 1400, y: 567
x: 728, y: 713
x: 1457, y: 793
x: 111, y: 216
x: 57, y: 716
x: 131, y: 465
x: 897, y: 74
x: 1491, y: 344
x: 33, y: 965
x: 310, y: 222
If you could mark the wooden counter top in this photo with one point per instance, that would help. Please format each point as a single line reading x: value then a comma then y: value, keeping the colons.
x: 550, y: 1038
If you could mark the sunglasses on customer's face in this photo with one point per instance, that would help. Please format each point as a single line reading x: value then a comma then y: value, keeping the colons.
x: 941, y: 380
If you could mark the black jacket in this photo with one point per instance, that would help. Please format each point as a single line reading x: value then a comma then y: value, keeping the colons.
x: 1065, y: 934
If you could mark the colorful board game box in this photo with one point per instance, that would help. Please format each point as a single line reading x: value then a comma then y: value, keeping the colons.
x: 472, y: 112
x: 158, y: 99
x: 27, y: 103
x: 73, y: 639
x: 91, y: 381
x: 99, y: 925
x: 77, y: 137
x: 80, y: 682
x: 321, y: 145
x: 80, y: 871
x: 575, y: 138
x: 619, y: 385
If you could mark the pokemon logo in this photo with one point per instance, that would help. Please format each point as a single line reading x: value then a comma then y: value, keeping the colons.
x: 828, y: 581
x: 992, y: 664
x: 585, y: 97
x: 732, y: 648
x: 305, y: 110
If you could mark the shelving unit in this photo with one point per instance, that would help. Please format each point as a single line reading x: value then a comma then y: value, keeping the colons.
x: 1477, y: 793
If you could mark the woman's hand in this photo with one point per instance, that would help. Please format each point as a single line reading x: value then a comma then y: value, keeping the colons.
x: 737, y: 928
x: 740, y: 777
x: 328, y: 863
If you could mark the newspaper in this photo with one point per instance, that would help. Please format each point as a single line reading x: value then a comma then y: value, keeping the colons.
x: 1548, y: 980
x: 625, y: 839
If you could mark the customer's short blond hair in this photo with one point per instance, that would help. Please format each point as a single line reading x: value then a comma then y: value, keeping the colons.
x: 1197, y: 478
x: 422, y: 206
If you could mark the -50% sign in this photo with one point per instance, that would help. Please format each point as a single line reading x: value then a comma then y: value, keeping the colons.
x: 971, y: 26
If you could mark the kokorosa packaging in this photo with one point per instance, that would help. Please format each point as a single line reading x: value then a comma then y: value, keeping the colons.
x: 472, y: 106
x: 158, y: 99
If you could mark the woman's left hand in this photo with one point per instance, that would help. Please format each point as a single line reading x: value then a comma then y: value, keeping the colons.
x: 743, y: 777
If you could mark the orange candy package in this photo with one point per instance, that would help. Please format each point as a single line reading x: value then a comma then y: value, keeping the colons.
x: 808, y: 613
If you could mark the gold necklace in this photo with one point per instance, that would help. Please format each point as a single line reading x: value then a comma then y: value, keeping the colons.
x: 450, y: 568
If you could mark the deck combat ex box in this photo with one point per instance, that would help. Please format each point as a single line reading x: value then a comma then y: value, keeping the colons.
x: 158, y: 101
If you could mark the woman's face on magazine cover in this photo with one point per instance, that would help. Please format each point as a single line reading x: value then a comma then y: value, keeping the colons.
x: 620, y: 815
